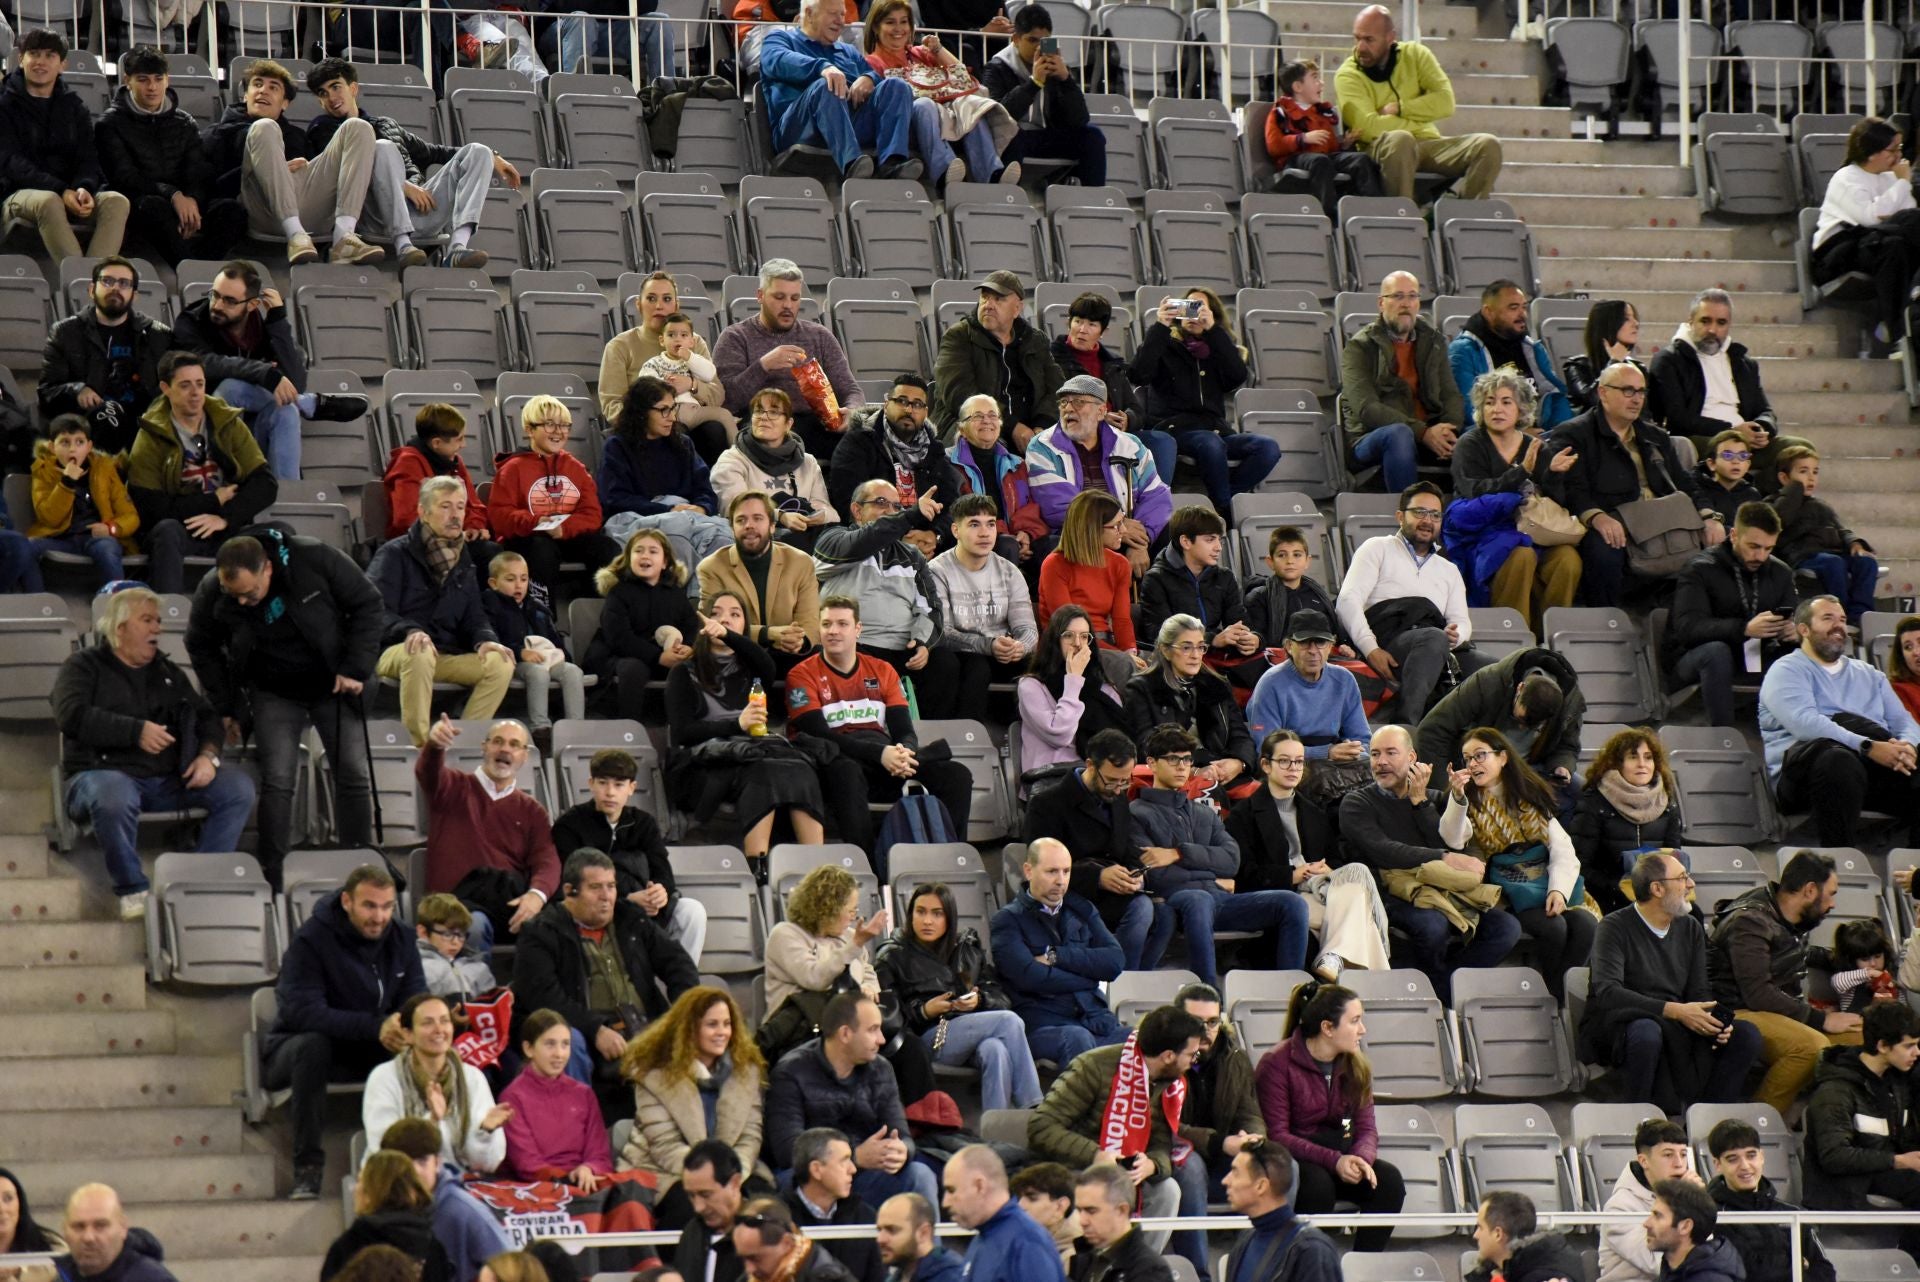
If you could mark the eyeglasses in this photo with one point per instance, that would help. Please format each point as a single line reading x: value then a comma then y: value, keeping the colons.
x: 1076, y: 634
x: 1736, y: 456
x: 985, y: 416
x: 770, y: 414
x: 228, y: 299
x: 666, y: 408
x: 117, y: 282
x: 1403, y: 297
x: 1211, y: 1025
x: 1287, y: 763
x: 909, y: 403
x: 1422, y: 513
x: 445, y: 932
x: 1625, y: 391
x: 885, y: 505
x: 1475, y: 758
x: 1177, y: 758
x: 553, y: 425
x: 1188, y: 647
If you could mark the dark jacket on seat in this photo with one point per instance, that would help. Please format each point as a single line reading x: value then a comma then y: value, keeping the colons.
x: 550, y: 968
x: 1605, y: 478
x: 1085, y: 955
x: 46, y: 144
x: 1206, y: 706
x: 1266, y: 850
x: 1099, y: 832
x: 334, y: 980
x: 449, y: 612
x: 152, y: 155
x: 1714, y: 598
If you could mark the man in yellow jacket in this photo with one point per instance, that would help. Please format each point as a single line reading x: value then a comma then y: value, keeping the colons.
x: 1392, y: 96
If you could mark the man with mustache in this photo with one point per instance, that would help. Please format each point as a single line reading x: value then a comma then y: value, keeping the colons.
x: 1703, y: 383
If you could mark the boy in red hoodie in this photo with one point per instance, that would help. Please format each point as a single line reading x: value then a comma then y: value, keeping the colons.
x: 544, y: 504
x: 1304, y: 133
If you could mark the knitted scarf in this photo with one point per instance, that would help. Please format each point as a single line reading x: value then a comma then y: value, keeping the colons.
x: 1127, y: 1127
x: 908, y: 453
x: 1640, y: 803
x: 453, y: 1087
x: 442, y: 554
x: 774, y: 460
x: 1498, y: 826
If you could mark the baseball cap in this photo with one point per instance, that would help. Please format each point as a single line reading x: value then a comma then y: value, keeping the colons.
x: 1309, y: 625
x: 1083, y: 385
x: 1004, y: 282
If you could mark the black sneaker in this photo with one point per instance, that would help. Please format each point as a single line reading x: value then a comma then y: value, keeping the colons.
x: 908, y: 168
x: 306, y: 1183
x: 339, y: 408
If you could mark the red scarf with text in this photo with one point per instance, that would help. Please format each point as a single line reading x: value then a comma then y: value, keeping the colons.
x: 1127, y: 1127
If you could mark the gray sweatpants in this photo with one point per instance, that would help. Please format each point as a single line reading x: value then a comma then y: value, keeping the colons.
x: 332, y: 185
x: 458, y: 188
x: 540, y: 680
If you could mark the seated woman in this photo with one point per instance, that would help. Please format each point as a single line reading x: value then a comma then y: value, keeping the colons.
x: 1189, y: 366
x: 706, y: 420
x: 439, y: 431
x: 721, y: 748
x: 1061, y: 705
x: 1087, y: 569
x: 697, y: 1075
x: 768, y: 457
x: 1868, y: 224
x: 1501, y: 454
x: 949, y: 105
x: 544, y: 504
x: 1629, y: 806
x: 391, y: 1207
x: 1498, y: 809
x: 426, y: 1079
x: 1903, y: 662
x: 647, y: 624
x: 651, y: 476
x: 1180, y: 689
x: 1080, y: 351
x: 20, y: 1233
x: 555, y: 1131
x: 1613, y: 327
x: 952, y: 999
x: 1316, y: 1091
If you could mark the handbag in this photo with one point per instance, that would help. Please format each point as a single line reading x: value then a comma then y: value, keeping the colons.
x: 1548, y: 524
x: 1521, y: 874
x: 1663, y: 534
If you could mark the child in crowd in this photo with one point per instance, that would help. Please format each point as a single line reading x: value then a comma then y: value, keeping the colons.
x: 1273, y: 600
x: 1723, y: 481
x: 1862, y: 973
x: 452, y: 969
x: 678, y: 356
x: 525, y: 625
x: 80, y: 504
x: 1812, y: 537
x: 632, y: 839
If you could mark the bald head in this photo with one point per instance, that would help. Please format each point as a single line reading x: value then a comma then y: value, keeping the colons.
x: 96, y: 1228
x: 1400, y: 302
x: 1390, y: 754
x: 1373, y: 35
x: 1049, y: 868
x: 974, y: 1183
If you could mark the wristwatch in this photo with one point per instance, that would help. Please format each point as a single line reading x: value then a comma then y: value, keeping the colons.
x: 213, y: 759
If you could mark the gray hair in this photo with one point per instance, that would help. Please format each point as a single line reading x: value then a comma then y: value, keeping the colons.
x: 1720, y: 296
x: 812, y: 1146
x: 780, y: 269
x: 1115, y: 1185
x: 575, y: 870
x: 1173, y: 626
x: 966, y: 406
x: 1504, y: 379
x: 434, y: 486
x: 120, y: 608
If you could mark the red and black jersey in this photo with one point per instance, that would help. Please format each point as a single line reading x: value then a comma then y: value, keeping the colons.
x: 856, y: 700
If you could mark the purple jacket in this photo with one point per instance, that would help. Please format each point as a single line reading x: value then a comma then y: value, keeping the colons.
x: 1299, y: 1102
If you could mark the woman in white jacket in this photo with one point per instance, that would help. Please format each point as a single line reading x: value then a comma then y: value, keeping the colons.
x: 1868, y: 224
x: 1498, y: 806
x: 770, y: 458
x: 428, y: 1080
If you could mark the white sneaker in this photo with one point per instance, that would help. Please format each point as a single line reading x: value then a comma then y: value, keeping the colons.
x: 956, y: 173
x: 1010, y: 175
x: 133, y: 907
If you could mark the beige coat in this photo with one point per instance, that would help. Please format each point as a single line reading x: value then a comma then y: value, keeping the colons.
x: 620, y: 364
x: 800, y: 962
x: 669, y: 1120
x: 793, y: 593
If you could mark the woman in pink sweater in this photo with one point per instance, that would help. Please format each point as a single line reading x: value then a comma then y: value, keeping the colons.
x: 556, y: 1132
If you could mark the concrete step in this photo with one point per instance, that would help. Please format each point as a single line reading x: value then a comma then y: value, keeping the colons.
x: 1713, y: 243
x: 1817, y: 411
x: 35, y: 1036
x: 1510, y: 122
x: 1888, y: 441
x: 1807, y: 339
x: 126, y: 1132
x: 25, y: 811
x: 209, y: 1177
x: 1496, y: 89
x: 74, y: 988
x: 1902, y: 578
x: 1460, y: 54
x: 1875, y: 509
x: 25, y: 856
x: 1576, y: 179
x: 124, y: 1081
x: 24, y: 899
x: 247, y: 1268
x: 236, y: 1231
x: 1828, y: 374
x: 1848, y: 477
x: 1626, y: 212
x: 1586, y: 151
x: 1439, y: 24
x: 93, y: 943
x: 1735, y: 275
x: 1662, y: 310
x: 1890, y: 542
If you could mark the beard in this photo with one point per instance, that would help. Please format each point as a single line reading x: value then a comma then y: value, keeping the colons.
x: 1829, y: 648
x: 1710, y: 345
x: 1401, y: 325
x: 113, y: 305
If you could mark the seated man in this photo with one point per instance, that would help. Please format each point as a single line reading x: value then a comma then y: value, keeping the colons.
x: 1703, y: 383
x: 1495, y: 337
x: 1006, y: 1242
x: 772, y: 1249
x: 822, y: 1193
x: 823, y: 92
x: 1319, y: 702
x: 856, y: 701
x: 713, y: 1180
x: 775, y: 581
x: 1680, y: 1228
x: 350, y: 968
x: 598, y: 960
x: 136, y: 735
x: 1039, y: 90
x: 1188, y: 578
x: 1304, y: 134
x: 839, y: 1079
x: 1758, y: 964
x: 997, y: 352
x: 50, y: 173
x: 289, y: 188
x: 1394, y: 94
x: 903, y: 1230
x: 1838, y: 740
x: 1087, y: 812
x: 1740, y: 1183
x: 1533, y: 698
x: 1509, y: 1247
x: 1222, y: 1114
x: 1650, y: 1012
x: 1405, y: 605
x: 984, y: 465
x: 446, y: 203
x: 1058, y: 460
x: 1277, y: 1247
x: 873, y: 562
x: 1190, y: 862
x: 101, y: 1245
x: 150, y: 149
x: 1053, y: 953
x: 763, y: 351
x: 436, y: 627
x: 195, y: 472
x: 244, y: 320
x: 1660, y: 1152
x: 1732, y: 612
x: 1103, y: 1197
x: 893, y: 441
x: 1402, y: 407
x: 1863, y: 1135
x: 1074, y: 1125
x: 1393, y: 827
x: 77, y: 376
x: 987, y: 615
x: 488, y: 843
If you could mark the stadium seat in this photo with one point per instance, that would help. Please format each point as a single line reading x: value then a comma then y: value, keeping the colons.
x: 792, y: 218
x: 1196, y: 146
x: 713, y: 140
x: 1819, y: 146
x: 688, y: 222
x: 256, y: 1101
x: 406, y: 392
x: 563, y: 319
x: 893, y: 230
x: 76, y: 280
x: 953, y: 302
x: 1289, y: 339
x: 504, y: 230
x: 996, y: 228
x: 1512, y: 1146
x: 1773, y: 64
x: 1132, y: 993
x: 1255, y: 163
x: 1251, y: 41
x: 1097, y: 236
x: 1723, y: 788
x: 583, y: 222
x: 34, y: 654
x: 878, y: 323
x: 396, y: 801
x: 1051, y: 299
x: 1256, y: 516
x: 991, y: 815
x: 1743, y: 165
x: 499, y: 108
x: 1451, y: 311
x: 1513, y: 1042
x: 211, y: 920
x: 1358, y: 517
x: 598, y: 124
x: 1409, y: 1138
x: 1780, y: 1145
x: 1723, y: 872
x: 1657, y: 42
x: 457, y: 320
x: 1845, y: 43
x: 1291, y: 417
x: 1482, y: 241
x: 1005, y: 1126
x: 310, y: 876
x: 1603, y: 1144
x: 575, y: 742
x: 788, y: 862
x: 1144, y: 47
x: 1195, y: 240
x: 1592, y: 57
x: 1848, y: 287
x: 956, y: 864
x: 399, y: 90
x: 1389, y: 1266
x: 330, y: 522
x: 1408, y: 1042
x: 1385, y: 234
x: 1607, y: 651
x: 337, y: 326
x: 1290, y: 244
x: 718, y: 877
x: 1127, y: 165
x: 1256, y: 1003
x: 1499, y: 631
x: 1866, y: 1265
x: 1876, y: 635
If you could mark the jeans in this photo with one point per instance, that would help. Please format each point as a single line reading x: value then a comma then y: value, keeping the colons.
x: 278, y: 724
x: 1641, y: 1047
x: 816, y: 116
x: 875, y: 1187
x: 1143, y: 932
x: 1392, y: 448
x: 1430, y: 938
x: 108, y: 556
x: 976, y: 145
x: 307, y: 1062
x: 1852, y: 579
x: 1165, y: 451
x: 995, y: 1042
x: 19, y: 564
x: 275, y: 426
x: 583, y: 36
x: 1196, y: 1186
x: 1212, y: 453
x: 1603, y: 571
x: 1711, y: 664
x: 1421, y: 654
x: 1062, y: 1043
x: 168, y: 547
x: 112, y: 802
x: 1202, y: 912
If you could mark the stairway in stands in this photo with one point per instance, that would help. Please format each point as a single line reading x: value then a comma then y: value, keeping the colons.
x: 104, y: 1078
x: 1620, y: 220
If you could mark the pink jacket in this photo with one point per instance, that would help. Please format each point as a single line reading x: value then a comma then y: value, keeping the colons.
x: 555, y: 1127
x: 1298, y: 1102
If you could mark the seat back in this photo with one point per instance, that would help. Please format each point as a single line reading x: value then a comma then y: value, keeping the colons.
x: 1128, y: 167
x: 1096, y: 236
x: 212, y: 918
x: 1482, y: 241
x: 878, y: 323
x: 1380, y: 243
x: 1289, y: 338
x: 564, y: 322
x: 1603, y: 1144
x: 957, y: 865
x: 500, y: 109
x: 1410, y: 1140
x: 586, y: 230
x: 893, y: 230
x: 996, y: 228
x: 1499, y: 631
x: 1196, y: 241
x: 601, y: 131
x: 1723, y: 786
x: 1408, y: 1042
x: 1291, y: 418
x: 458, y: 321
x: 308, y: 877
x: 1132, y: 993
x: 736, y: 916
x: 1290, y: 244
x: 792, y: 218
x: 26, y: 313
x: 1512, y: 1039
x: 991, y: 816
x: 1780, y: 1145
x: 1512, y: 1146
x: 1606, y: 649
x: 788, y: 862
x: 688, y: 223
x: 336, y: 325
x: 1197, y: 146
x: 1745, y: 166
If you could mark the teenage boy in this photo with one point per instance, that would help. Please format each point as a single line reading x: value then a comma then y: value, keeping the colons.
x: 1187, y: 578
x: 984, y: 605
x: 1812, y: 537
x: 1740, y: 1183
x: 443, y: 925
x: 1862, y: 1135
x: 150, y: 149
x: 80, y: 504
x: 50, y: 174
x: 1722, y: 481
x: 1660, y: 1152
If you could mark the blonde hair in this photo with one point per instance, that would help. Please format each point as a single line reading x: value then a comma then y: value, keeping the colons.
x: 540, y: 407
x: 616, y: 571
x: 670, y: 1042
x: 120, y: 608
x: 820, y: 897
x: 517, y: 1266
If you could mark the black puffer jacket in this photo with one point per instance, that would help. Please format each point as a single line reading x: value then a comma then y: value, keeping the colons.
x: 917, y: 975
x: 1169, y: 588
x: 1605, y: 478
x: 46, y: 144
x: 551, y: 968
x: 410, y: 1232
x: 100, y: 705
x: 1544, y: 1257
x: 225, y: 142
x: 1601, y: 834
x: 152, y: 155
x: 1766, y: 1249
x: 417, y: 154
x: 1677, y: 391
x: 1842, y: 1158
x: 1206, y: 706
x: 1187, y: 391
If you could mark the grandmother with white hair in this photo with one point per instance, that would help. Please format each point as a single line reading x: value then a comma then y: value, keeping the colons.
x: 137, y: 736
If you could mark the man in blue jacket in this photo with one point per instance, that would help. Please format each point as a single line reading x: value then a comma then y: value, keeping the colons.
x: 1053, y: 952
x: 1495, y: 338
x: 342, y: 983
x: 1007, y: 1243
x: 823, y: 92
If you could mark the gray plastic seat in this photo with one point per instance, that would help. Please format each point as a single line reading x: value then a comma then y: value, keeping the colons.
x: 1256, y: 516
x: 893, y: 230
x: 1097, y: 236
x: 1409, y: 1138
x: 76, y: 279
x: 34, y: 657
x: 1005, y: 1126
x: 1388, y: 1266
x: 713, y: 139
x: 1500, y: 630
x: 996, y: 228
x: 1512, y: 1146
x: 406, y: 392
x: 990, y: 817
x: 1561, y: 324
x: 1513, y: 1041
x: 211, y: 920
x: 1196, y: 146
x: 500, y: 109
x: 1722, y: 785
x: 791, y: 218
x: 458, y: 321
x: 399, y: 90
x: 718, y: 876
x: 788, y: 862
x: 1608, y: 652
x: 1250, y: 40
x: 1882, y: 1265
x: 504, y: 230
x: 584, y: 222
x: 1196, y: 241
x: 1781, y: 1146
x: 575, y: 742
x: 514, y: 390
x: 1723, y: 872
x: 1594, y: 56
x: 1482, y: 241
x: 1407, y: 1040
x: 1256, y: 1003
x: 331, y: 523
x: 1846, y: 43
x: 1113, y: 115
x: 1603, y: 1144
x: 1820, y: 149
x: 958, y: 865
x: 309, y: 877
x: 1385, y: 234
x: 1145, y: 46
x: 688, y: 222
x: 1289, y: 339
x: 1291, y: 418
x: 877, y: 321
x: 1774, y: 62
x: 598, y: 130
x: 953, y: 302
x: 26, y: 313
x: 1132, y: 993
x: 1360, y: 516
x: 342, y: 455
x: 1847, y: 287
x: 1743, y: 165
x: 335, y: 323
x: 1290, y: 244
x: 564, y: 321
x: 1658, y: 40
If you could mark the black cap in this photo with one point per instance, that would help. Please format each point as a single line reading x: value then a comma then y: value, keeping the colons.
x: 1309, y: 625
